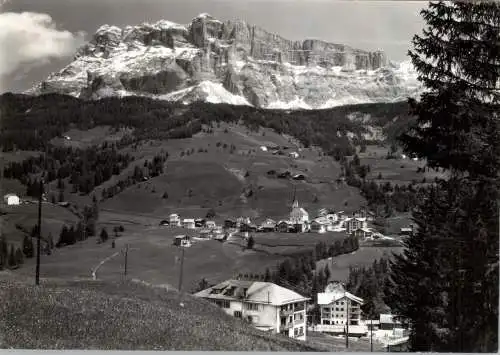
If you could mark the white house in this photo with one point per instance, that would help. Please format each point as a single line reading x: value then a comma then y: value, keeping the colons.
x: 12, y: 199
x: 340, y: 310
x: 294, y: 155
x: 210, y: 225
x: 351, y: 224
x: 174, y: 220
x: 299, y: 217
x: 188, y: 223
x: 265, y: 305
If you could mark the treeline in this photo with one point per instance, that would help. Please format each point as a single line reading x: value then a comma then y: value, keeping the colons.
x: 30, y: 122
x: 299, y: 271
x: 150, y: 169
x: 392, y: 197
x: 85, y: 168
x: 368, y: 283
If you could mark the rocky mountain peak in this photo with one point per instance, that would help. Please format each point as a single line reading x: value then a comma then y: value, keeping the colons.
x: 173, y: 61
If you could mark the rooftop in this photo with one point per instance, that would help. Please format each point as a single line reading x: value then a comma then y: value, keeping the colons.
x: 251, y: 291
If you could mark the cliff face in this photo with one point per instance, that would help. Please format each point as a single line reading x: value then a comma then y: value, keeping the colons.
x: 228, y: 61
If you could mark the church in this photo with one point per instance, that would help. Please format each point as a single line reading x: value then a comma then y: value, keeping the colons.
x: 299, y: 218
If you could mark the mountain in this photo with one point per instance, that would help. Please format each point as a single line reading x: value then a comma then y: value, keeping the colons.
x: 228, y: 62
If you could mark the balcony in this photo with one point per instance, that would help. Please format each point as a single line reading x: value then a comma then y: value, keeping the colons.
x: 286, y: 312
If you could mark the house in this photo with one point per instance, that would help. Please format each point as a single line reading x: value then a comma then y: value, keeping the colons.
x: 268, y: 226
x: 244, y: 227
x: 174, y: 220
x: 210, y: 224
x: 299, y: 217
x: 332, y: 217
x: 363, y: 233
x: 206, y: 234
x: 265, y: 305
x: 12, y: 199
x: 406, y: 231
x: 340, y: 310
x: 188, y: 223
x: 263, y: 148
x: 182, y: 241
x: 351, y: 224
x: 199, y: 223
x: 242, y: 220
x: 230, y: 223
x: 389, y: 322
x: 319, y: 225
x: 294, y: 155
x: 284, y: 226
x: 299, y: 177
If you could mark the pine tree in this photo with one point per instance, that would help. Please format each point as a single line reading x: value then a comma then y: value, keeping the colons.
x: 104, y: 235
x: 12, y: 257
x: 19, y: 257
x: 446, y: 282
x: 4, y: 253
x: 28, y: 248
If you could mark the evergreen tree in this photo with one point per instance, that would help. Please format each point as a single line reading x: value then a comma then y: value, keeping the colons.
x: 446, y: 282
x: 28, y: 248
x: 104, y: 235
x: 250, y: 242
x: 19, y: 257
x: 4, y: 253
x: 12, y: 257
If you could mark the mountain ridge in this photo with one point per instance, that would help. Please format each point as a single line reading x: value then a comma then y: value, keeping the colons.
x: 228, y: 62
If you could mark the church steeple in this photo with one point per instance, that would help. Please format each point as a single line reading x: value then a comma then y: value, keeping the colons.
x: 295, y: 203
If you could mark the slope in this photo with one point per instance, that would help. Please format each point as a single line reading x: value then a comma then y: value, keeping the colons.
x: 121, y: 316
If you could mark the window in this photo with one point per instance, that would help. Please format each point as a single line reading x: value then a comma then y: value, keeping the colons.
x: 222, y: 303
x: 337, y: 309
x: 251, y: 307
x: 237, y: 314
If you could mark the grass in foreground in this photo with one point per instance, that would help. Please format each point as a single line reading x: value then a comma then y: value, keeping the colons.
x: 122, y: 316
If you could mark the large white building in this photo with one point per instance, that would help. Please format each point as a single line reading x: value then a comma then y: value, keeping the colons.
x: 11, y: 199
x: 265, y: 305
x: 340, y: 310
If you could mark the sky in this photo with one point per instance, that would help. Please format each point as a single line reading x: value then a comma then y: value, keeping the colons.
x: 38, y: 37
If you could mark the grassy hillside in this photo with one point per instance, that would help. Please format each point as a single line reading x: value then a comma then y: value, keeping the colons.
x: 122, y: 316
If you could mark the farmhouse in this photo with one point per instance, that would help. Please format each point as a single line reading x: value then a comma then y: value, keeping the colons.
x: 389, y: 322
x: 265, y: 305
x: 269, y: 225
x: 363, y: 233
x: 174, y: 220
x: 351, y: 224
x: 406, y: 230
x: 230, y: 223
x: 242, y: 220
x: 188, y: 223
x: 319, y: 225
x: 284, y: 226
x: 210, y: 224
x: 182, y: 241
x: 11, y: 199
x: 199, y: 223
x: 340, y: 309
x: 244, y: 227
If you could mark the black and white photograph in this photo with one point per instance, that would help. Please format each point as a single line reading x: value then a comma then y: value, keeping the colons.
x: 250, y: 175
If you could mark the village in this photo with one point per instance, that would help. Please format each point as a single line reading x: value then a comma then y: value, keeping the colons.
x: 274, y: 308
x: 356, y: 224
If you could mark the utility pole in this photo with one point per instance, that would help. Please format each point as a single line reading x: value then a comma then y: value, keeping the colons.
x: 182, y: 267
x: 347, y: 326
x: 39, y: 236
x: 371, y: 334
x: 126, y: 260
